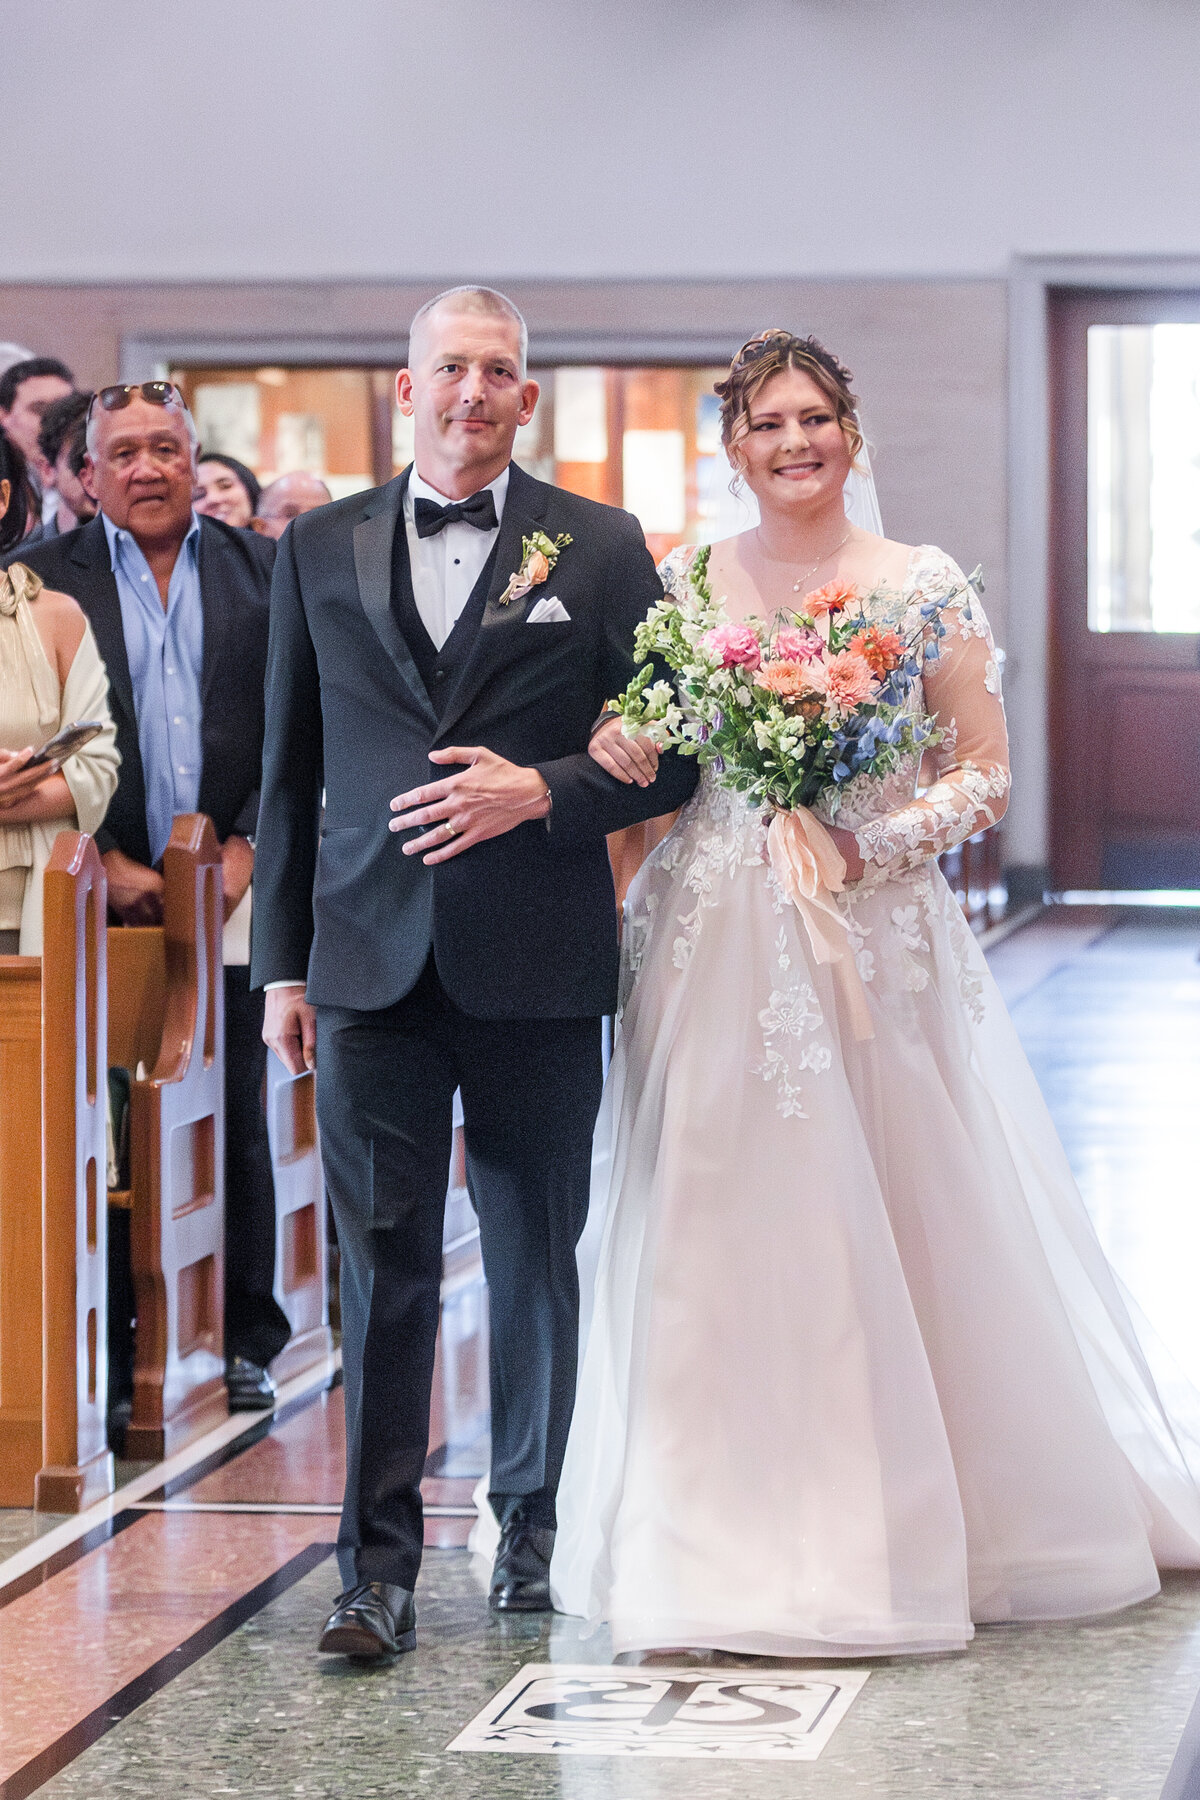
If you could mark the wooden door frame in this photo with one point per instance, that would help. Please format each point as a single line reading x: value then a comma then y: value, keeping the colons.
x: 1027, y: 681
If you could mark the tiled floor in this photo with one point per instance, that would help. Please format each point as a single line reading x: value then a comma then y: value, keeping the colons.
x: 1111, y: 1017
x: 19, y: 1527
x: 1113, y: 1032
x: 70, y: 1643
x: 1066, y: 1713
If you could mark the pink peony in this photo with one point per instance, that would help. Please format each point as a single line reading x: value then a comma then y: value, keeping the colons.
x: 795, y: 644
x: 848, y: 680
x: 735, y: 645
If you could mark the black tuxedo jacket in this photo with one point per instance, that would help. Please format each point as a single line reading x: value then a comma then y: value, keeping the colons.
x: 235, y: 586
x: 523, y: 926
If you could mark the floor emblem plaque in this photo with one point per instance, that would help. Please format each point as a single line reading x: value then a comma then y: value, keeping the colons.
x: 577, y: 1709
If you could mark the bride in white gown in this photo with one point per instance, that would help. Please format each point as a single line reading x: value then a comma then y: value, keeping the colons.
x: 858, y: 1374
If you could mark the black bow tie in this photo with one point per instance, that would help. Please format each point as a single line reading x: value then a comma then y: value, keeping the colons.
x: 479, y: 510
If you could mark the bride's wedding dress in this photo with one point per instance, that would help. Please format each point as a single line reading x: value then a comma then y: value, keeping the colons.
x: 858, y: 1373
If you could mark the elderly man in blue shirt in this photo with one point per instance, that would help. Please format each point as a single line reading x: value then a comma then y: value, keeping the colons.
x: 164, y: 642
x: 179, y: 606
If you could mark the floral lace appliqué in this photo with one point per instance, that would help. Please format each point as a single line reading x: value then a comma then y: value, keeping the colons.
x: 907, y: 925
x: 965, y: 952
x: 635, y: 938
x: 788, y: 1022
x: 723, y: 834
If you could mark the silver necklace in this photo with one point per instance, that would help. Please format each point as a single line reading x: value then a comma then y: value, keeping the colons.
x: 821, y: 560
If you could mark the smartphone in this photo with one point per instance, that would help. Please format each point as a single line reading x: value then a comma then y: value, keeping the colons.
x: 66, y: 742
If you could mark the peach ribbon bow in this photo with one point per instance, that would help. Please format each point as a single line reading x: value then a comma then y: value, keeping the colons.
x: 811, y: 869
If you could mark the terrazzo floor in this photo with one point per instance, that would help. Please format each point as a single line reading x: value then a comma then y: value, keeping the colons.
x: 1087, y: 1712
x: 1109, y: 1011
x: 19, y: 1526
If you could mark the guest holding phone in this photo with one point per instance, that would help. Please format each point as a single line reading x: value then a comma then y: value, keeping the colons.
x: 179, y: 605
x: 51, y: 676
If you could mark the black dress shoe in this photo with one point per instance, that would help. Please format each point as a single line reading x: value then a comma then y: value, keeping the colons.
x: 250, y: 1388
x: 521, y: 1572
x: 370, y: 1620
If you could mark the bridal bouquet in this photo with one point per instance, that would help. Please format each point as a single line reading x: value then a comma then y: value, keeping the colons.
x: 787, y: 710
x: 783, y: 710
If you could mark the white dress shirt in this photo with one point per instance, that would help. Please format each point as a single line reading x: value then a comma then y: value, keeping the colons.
x: 446, y: 567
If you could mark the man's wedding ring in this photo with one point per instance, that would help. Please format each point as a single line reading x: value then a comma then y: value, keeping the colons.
x: 449, y: 829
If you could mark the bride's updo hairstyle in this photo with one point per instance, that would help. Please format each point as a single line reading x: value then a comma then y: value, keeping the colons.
x: 764, y: 356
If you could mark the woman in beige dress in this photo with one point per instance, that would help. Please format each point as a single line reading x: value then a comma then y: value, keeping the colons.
x: 51, y: 676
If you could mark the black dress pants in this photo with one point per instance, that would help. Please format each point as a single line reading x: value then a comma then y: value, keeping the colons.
x: 530, y: 1092
x: 255, y: 1325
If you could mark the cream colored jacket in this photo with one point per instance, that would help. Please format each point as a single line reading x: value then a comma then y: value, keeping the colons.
x: 33, y: 708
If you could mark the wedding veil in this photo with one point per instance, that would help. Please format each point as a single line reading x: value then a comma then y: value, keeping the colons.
x: 861, y: 500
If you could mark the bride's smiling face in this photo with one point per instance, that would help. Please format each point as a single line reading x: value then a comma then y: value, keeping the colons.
x: 795, y: 454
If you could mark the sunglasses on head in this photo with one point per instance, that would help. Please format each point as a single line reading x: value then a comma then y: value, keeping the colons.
x: 157, y: 393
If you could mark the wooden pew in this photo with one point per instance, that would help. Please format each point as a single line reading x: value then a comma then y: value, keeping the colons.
x: 167, y: 1011
x: 975, y: 871
x: 53, y: 1223
x: 301, y: 1246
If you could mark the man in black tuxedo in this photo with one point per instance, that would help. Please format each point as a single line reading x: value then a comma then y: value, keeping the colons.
x: 455, y: 919
x: 180, y: 609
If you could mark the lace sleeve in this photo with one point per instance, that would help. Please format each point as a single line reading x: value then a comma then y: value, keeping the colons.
x: 962, y: 692
x: 674, y: 568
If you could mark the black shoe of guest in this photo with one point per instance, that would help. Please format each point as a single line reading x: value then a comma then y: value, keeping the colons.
x: 521, y: 1571
x: 250, y: 1387
x: 371, y: 1620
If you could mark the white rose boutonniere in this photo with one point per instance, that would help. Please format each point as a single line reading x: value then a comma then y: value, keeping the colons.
x: 539, y: 554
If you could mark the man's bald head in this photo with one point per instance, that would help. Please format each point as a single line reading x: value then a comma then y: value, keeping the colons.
x: 481, y: 301
x: 285, y: 499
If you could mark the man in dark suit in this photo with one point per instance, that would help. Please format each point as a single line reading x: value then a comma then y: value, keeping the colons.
x: 180, y: 607
x: 454, y: 919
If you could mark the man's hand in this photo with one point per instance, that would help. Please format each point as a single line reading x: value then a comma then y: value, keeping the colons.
x: 290, y: 1028
x: 17, y: 781
x: 237, y: 867
x: 629, y: 759
x: 490, y: 797
x: 135, y: 892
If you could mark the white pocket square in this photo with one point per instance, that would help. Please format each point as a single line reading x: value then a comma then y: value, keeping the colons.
x: 549, y: 611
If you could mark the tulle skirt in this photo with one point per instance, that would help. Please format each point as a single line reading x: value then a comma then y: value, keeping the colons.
x: 858, y: 1375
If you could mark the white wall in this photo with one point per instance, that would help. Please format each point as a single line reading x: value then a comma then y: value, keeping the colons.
x: 386, y: 138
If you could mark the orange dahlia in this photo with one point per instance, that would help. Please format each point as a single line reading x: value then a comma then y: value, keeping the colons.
x: 881, y: 649
x: 829, y: 599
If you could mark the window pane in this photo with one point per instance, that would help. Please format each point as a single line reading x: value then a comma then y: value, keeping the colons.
x: 280, y: 420
x: 1144, y: 478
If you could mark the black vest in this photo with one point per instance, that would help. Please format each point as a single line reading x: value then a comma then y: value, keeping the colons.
x: 439, y: 669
